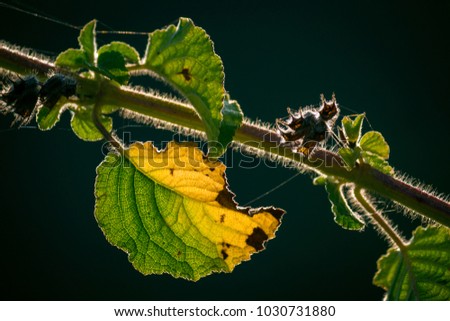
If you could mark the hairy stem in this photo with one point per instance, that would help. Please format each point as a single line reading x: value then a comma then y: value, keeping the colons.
x: 97, y: 122
x: 250, y: 137
x: 388, y: 230
x: 379, y: 220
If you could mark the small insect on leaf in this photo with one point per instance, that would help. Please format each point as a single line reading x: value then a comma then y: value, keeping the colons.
x: 172, y: 212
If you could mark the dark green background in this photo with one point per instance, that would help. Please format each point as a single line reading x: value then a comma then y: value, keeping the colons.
x: 385, y: 58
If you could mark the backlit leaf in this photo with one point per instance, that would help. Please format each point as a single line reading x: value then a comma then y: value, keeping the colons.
x: 352, y: 128
x: 374, y: 142
x: 73, y: 59
x: 47, y: 118
x: 343, y: 214
x: 172, y: 212
x: 84, y: 127
x: 350, y: 156
x: 184, y: 56
x: 377, y: 162
x: 112, y: 64
x: 422, y: 271
x: 129, y: 53
x: 87, y: 41
x: 231, y: 121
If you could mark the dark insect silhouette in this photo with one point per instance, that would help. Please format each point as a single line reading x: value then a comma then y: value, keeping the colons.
x: 21, y: 98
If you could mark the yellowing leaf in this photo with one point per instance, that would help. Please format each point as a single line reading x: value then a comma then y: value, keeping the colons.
x: 172, y: 212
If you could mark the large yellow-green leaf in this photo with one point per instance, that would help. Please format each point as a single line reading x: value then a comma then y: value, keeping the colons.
x: 172, y: 212
x: 421, y: 271
x: 184, y: 56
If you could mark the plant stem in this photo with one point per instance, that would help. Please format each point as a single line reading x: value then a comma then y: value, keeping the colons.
x: 97, y: 122
x: 250, y: 137
x: 388, y: 230
x: 379, y: 220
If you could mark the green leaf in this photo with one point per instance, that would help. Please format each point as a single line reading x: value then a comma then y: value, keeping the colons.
x: 47, y: 118
x: 231, y: 121
x: 87, y: 41
x: 343, y: 214
x: 352, y: 128
x: 374, y: 142
x: 184, y: 56
x: 377, y: 162
x: 350, y: 156
x: 129, y: 53
x: 172, y: 212
x: 422, y: 271
x: 112, y: 65
x: 73, y: 59
x: 84, y: 127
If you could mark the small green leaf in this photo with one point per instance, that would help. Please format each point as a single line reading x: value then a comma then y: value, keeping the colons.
x: 350, y: 156
x: 343, y: 214
x: 231, y: 121
x: 374, y: 142
x: 112, y: 65
x: 377, y: 162
x: 84, y: 127
x: 47, y: 118
x: 129, y: 53
x: 352, y: 128
x: 73, y: 59
x: 87, y: 41
x: 184, y: 57
x: 422, y: 271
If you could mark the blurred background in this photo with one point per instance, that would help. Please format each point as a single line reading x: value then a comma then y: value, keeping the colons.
x: 386, y: 58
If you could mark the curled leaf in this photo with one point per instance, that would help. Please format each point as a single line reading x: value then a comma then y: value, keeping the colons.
x: 343, y: 214
x: 129, y: 53
x: 231, y: 121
